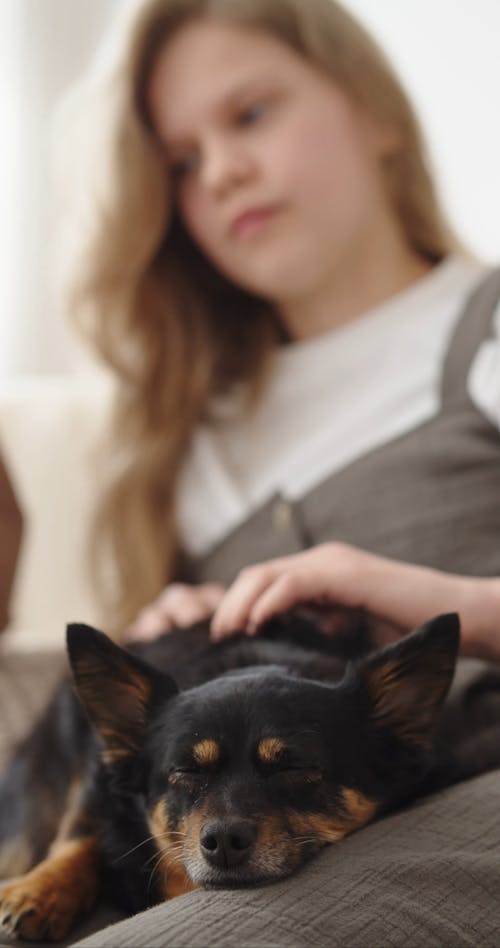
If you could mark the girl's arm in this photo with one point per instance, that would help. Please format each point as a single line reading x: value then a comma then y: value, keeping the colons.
x: 337, y: 574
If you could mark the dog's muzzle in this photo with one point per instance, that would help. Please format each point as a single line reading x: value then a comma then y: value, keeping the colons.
x: 228, y: 843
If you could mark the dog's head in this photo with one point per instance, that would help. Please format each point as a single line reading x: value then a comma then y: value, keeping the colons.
x: 247, y: 775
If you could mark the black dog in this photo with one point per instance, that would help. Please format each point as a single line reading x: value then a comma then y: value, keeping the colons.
x: 213, y: 765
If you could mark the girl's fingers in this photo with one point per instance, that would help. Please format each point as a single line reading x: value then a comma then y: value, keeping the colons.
x: 178, y: 605
x: 234, y: 609
x: 212, y: 594
x: 285, y: 592
x: 302, y: 576
x: 184, y: 605
x: 148, y: 625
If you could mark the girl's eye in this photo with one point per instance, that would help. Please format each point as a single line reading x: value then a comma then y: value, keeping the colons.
x: 181, y: 168
x: 246, y: 117
x: 250, y: 114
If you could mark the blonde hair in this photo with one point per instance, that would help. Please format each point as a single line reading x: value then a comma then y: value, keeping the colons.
x: 161, y: 316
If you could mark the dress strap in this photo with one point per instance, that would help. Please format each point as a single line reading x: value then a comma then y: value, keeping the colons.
x: 474, y: 326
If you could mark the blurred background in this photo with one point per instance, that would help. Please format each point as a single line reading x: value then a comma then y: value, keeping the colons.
x: 446, y: 52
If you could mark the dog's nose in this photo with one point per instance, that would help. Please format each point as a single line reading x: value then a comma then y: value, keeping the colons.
x: 227, y: 843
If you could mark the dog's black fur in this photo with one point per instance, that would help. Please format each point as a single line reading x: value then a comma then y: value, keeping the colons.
x: 182, y: 763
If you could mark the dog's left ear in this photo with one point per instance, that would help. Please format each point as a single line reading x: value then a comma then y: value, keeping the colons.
x: 408, y: 682
x: 117, y: 689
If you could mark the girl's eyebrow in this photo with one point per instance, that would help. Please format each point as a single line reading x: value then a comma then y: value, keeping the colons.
x: 255, y: 84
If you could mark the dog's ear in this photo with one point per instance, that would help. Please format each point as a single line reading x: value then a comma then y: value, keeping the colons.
x: 408, y: 682
x: 117, y: 689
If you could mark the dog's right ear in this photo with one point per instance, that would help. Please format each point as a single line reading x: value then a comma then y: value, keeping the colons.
x: 117, y: 689
x: 407, y: 682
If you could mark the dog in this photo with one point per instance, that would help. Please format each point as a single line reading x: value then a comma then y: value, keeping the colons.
x: 180, y: 763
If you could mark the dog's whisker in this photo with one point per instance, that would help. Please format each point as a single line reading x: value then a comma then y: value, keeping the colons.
x: 153, y: 871
x: 133, y: 849
x: 162, y: 856
x: 164, y: 853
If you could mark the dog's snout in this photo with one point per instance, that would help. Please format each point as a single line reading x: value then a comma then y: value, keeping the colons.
x: 227, y: 843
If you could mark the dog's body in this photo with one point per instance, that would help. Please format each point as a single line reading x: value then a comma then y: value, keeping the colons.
x: 214, y: 765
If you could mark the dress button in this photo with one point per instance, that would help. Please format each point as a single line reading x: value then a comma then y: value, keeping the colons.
x: 282, y: 515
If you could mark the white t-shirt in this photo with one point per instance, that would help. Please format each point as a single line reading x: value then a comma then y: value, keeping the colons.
x: 331, y: 399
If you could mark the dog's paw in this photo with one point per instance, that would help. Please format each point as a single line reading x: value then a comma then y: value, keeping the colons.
x: 41, y: 906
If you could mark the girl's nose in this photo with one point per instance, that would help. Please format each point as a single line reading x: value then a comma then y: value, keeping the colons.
x: 226, y: 165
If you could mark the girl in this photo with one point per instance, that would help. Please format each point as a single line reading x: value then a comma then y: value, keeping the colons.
x: 283, y: 304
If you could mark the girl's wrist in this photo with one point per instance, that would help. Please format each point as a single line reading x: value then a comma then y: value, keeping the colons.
x: 409, y: 595
x: 479, y: 609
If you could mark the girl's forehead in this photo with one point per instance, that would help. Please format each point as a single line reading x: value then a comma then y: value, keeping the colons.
x: 207, y: 65
x: 222, y: 42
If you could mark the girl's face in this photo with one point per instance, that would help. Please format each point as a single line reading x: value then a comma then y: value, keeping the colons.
x: 247, y: 123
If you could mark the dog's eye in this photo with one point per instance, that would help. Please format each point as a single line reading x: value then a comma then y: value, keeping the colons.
x: 186, y: 775
x: 306, y: 774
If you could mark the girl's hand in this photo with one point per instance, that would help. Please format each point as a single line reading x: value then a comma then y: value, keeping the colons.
x: 336, y: 574
x: 329, y: 574
x: 179, y: 604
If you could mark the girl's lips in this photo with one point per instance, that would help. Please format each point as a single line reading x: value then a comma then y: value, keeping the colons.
x: 252, y: 221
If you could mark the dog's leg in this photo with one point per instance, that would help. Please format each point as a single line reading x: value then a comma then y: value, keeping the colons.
x: 47, y: 901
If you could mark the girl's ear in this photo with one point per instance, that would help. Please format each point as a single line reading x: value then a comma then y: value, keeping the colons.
x: 408, y: 682
x: 117, y: 690
x: 382, y: 140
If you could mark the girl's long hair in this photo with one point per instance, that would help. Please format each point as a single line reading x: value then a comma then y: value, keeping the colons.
x: 173, y: 330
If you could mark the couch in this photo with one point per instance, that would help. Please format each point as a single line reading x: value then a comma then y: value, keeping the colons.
x: 427, y: 875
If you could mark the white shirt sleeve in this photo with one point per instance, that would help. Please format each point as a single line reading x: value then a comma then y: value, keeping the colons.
x: 483, y: 382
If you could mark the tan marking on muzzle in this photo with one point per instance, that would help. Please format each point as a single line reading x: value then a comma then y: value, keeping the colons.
x: 358, y: 809
x: 316, y: 826
x: 175, y: 880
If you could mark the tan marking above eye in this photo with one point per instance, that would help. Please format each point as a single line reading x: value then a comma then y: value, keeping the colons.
x: 271, y: 749
x: 206, y: 752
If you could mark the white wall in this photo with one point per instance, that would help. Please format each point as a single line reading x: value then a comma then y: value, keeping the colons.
x: 445, y: 50
x: 448, y: 54
x: 44, y: 47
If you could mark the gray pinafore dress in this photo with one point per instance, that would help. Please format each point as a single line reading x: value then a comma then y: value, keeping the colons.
x: 431, y: 496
